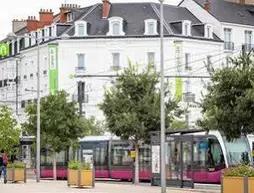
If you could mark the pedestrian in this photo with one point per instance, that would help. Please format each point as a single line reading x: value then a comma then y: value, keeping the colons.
x: 3, y: 165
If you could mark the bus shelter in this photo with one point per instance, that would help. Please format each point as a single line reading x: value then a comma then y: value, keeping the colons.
x: 189, y: 158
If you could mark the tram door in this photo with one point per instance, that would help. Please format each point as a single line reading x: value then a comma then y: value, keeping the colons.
x: 180, y: 159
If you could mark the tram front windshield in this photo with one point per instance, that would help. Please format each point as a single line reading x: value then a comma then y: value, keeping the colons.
x: 237, y: 150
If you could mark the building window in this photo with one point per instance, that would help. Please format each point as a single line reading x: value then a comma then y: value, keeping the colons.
x: 45, y: 72
x: 115, y: 26
x: 208, y: 31
x: 209, y: 63
x: 81, y: 28
x: 187, y: 61
x: 186, y: 28
x: 23, y: 104
x: 25, y: 77
x: 228, y: 44
x: 81, y: 61
x: 151, y: 27
x: 227, y: 35
x: 31, y: 76
x: 248, y: 40
x: 116, y: 60
x: 50, y: 31
x: 69, y: 17
x: 151, y: 58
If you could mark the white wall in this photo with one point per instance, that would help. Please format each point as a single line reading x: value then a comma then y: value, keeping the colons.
x: 99, y: 61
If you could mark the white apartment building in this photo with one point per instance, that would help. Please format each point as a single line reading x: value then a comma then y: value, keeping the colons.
x: 98, y: 41
x: 233, y: 21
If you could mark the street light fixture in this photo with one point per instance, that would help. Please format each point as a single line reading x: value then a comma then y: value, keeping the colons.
x: 163, y: 161
x: 13, y: 36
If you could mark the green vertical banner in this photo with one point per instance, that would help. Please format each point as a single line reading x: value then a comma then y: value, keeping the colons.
x: 53, y: 68
x: 178, y: 89
x: 4, y: 49
x: 179, y: 66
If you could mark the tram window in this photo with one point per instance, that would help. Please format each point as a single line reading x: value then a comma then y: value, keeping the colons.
x: 236, y: 150
x: 199, y: 159
x: 100, y: 156
x: 144, y: 157
x: 120, y: 155
x: 215, y: 158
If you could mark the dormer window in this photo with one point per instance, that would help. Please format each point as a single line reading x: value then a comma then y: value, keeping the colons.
x: 208, y: 31
x: 69, y: 17
x: 186, y: 28
x: 115, y: 26
x: 81, y: 28
x: 151, y: 27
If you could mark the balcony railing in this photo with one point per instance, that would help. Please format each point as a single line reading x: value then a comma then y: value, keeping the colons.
x: 230, y: 46
x: 80, y: 69
x: 248, y: 47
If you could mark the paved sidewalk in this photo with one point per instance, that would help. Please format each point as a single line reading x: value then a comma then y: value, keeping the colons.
x: 100, y: 187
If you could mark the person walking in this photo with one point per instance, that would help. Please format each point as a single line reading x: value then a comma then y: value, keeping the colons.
x: 3, y: 165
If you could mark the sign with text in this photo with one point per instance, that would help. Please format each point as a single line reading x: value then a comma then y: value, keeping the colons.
x: 53, y: 68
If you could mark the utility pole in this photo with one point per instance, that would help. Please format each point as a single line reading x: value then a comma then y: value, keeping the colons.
x: 163, y: 155
x: 38, y: 136
x: 81, y: 96
x: 17, y: 89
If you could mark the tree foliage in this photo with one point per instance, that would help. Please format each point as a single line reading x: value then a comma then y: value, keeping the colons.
x: 229, y: 104
x: 9, y: 130
x: 93, y: 127
x: 61, y: 126
x: 132, y: 105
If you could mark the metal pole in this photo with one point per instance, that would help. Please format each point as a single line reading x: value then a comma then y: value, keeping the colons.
x: 38, y: 139
x: 17, y: 89
x: 163, y: 163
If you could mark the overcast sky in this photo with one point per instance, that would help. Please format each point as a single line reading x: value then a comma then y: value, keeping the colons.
x: 14, y: 9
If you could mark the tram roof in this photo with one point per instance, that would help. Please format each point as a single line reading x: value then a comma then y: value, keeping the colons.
x: 99, y: 138
x: 185, y: 131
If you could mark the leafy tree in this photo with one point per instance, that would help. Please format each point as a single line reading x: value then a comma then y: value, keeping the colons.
x: 132, y: 107
x: 9, y: 130
x: 178, y: 124
x: 93, y: 127
x: 228, y: 106
x: 61, y: 125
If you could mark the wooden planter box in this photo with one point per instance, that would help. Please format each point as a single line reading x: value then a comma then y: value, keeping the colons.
x: 237, y: 185
x: 80, y: 178
x: 16, y: 174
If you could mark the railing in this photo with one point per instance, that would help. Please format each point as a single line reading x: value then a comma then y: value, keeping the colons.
x: 230, y: 46
x: 80, y: 69
x: 248, y: 47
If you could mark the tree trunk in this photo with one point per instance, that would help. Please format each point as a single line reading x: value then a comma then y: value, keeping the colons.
x: 54, y: 166
x: 136, y: 163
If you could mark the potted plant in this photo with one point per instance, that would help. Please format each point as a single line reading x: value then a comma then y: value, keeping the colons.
x: 80, y: 174
x: 238, y: 179
x: 16, y: 172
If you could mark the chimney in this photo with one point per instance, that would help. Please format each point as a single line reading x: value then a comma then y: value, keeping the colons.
x: 32, y: 23
x: 46, y: 17
x: 18, y: 25
x: 207, y: 5
x: 105, y: 8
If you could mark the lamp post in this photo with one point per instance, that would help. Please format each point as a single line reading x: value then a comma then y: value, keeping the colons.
x: 38, y: 137
x: 163, y: 161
